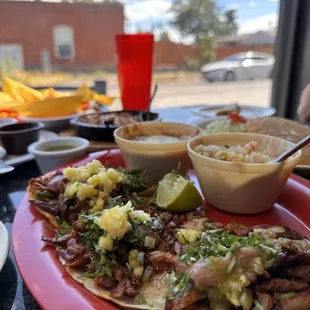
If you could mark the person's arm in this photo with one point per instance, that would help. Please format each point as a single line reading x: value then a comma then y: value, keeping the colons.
x: 303, y: 110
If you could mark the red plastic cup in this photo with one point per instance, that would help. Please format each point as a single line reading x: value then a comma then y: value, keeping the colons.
x: 134, y: 66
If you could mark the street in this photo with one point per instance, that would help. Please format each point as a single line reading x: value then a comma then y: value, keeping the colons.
x: 174, y: 94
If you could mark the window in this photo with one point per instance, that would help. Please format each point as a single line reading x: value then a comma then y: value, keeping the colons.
x: 63, y: 42
x: 259, y: 58
x: 236, y: 57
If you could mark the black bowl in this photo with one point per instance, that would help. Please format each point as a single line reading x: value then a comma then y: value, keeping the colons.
x: 15, y: 138
x: 104, y: 130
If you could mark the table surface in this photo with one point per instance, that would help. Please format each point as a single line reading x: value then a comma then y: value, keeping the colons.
x: 13, y: 292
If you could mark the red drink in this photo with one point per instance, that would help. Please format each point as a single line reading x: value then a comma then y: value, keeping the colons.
x: 134, y: 66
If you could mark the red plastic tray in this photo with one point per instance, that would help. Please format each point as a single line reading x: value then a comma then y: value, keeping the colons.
x: 53, y: 288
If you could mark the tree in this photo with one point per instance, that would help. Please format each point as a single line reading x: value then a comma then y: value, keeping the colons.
x: 202, y: 18
x: 207, y: 45
x: 164, y: 36
x: 230, y: 23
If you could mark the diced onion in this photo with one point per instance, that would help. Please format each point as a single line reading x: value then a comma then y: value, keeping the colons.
x: 155, y: 223
x: 149, y: 242
x: 287, y: 295
x: 277, y: 229
x: 140, y: 257
x: 147, y: 273
x: 177, y: 247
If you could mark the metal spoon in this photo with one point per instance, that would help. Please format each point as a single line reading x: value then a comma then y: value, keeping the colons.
x: 146, y: 113
x: 293, y: 149
x: 5, y: 168
x: 152, y: 98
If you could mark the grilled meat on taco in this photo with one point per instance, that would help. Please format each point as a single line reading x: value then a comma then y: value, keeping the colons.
x: 112, y: 238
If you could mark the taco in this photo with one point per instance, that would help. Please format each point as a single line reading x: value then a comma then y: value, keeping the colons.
x: 112, y: 238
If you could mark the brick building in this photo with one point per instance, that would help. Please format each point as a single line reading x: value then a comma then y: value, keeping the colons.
x: 261, y: 41
x: 173, y: 56
x: 69, y: 36
x: 73, y: 37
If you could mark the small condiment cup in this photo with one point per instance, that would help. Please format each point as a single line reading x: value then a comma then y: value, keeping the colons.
x: 49, y: 160
x: 156, y: 159
x: 244, y: 188
x: 15, y: 138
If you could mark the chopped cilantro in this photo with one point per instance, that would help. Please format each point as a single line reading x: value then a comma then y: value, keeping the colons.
x: 218, y: 243
x: 132, y: 180
x: 44, y: 195
x: 178, y: 286
x: 112, y: 202
x: 139, y: 230
x: 63, y: 226
x: 128, y: 267
x: 102, y: 265
x: 92, y: 232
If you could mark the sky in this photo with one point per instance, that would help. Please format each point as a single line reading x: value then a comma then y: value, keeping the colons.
x: 251, y: 15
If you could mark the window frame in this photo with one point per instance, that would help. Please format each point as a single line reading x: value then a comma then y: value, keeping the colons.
x: 292, y: 49
x: 57, y: 44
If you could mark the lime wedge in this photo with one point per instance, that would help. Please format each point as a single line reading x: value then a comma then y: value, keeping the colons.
x: 175, y: 193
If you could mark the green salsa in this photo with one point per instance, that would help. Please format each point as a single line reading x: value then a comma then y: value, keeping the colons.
x: 57, y: 148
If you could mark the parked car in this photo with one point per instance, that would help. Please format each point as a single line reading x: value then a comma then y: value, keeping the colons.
x: 241, y: 66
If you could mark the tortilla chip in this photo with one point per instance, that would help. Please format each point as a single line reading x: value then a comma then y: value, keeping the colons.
x: 282, y: 128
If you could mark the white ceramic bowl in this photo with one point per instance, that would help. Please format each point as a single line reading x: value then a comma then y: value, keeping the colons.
x: 49, y: 160
x: 239, y: 187
x: 156, y: 159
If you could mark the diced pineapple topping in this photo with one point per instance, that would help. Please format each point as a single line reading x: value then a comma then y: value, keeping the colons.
x: 132, y: 258
x: 246, y: 299
x: 92, y: 180
x: 72, y: 174
x: 115, y: 221
x: 140, y: 215
x: 135, y: 262
x: 96, y: 204
x: 138, y: 271
x: 71, y: 189
x: 86, y: 191
x: 188, y: 235
x: 105, y: 243
x: 81, y: 174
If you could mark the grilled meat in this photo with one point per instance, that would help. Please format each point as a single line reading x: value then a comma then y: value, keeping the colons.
x: 53, y: 184
x: 189, y: 298
x: 106, y: 282
x: 238, y: 229
x: 60, y: 240
x: 125, y: 288
x: 79, y: 226
x: 75, y: 209
x: 281, y: 285
x: 51, y: 207
x: 75, y: 254
x: 265, y: 300
x: 292, y: 234
x: 162, y: 261
x: 300, y: 272
x: 300, y: 301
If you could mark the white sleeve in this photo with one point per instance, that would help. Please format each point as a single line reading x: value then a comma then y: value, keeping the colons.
x: 303, y: 110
